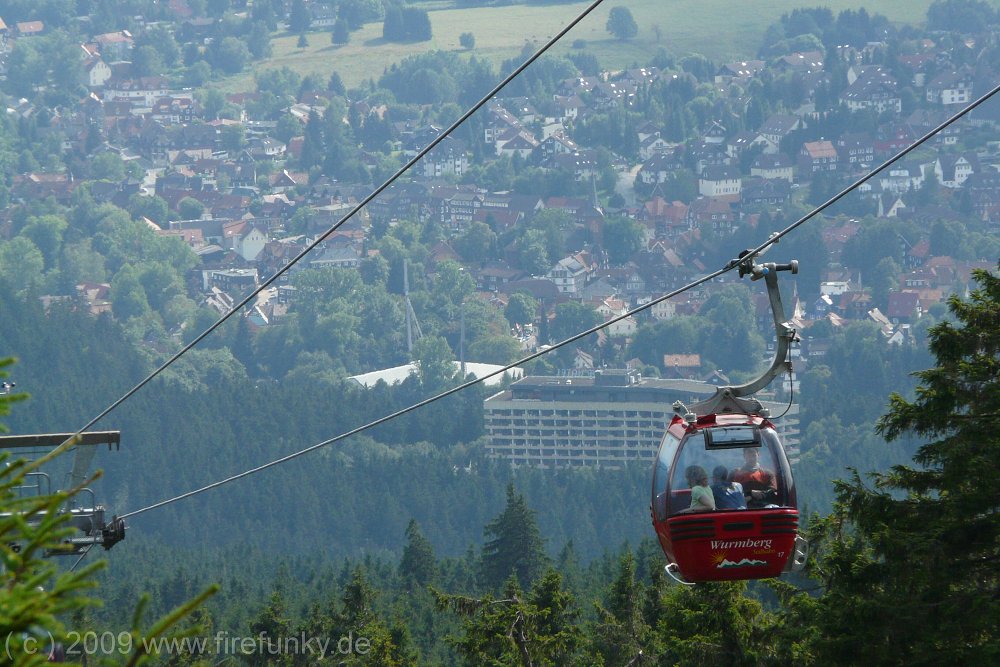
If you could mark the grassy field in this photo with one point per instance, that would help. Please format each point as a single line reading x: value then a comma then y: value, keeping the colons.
x: 719, y: 29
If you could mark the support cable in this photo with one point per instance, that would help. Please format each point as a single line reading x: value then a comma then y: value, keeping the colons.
x: 350, y: 214
x: 82, y: 556
x: 732, y: 264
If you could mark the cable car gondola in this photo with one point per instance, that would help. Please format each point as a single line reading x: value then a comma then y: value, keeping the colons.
x: 753, y: 532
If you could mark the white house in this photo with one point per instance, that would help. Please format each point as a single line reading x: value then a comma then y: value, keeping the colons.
x: 719, y: 181
x: 96, y: 73
x: 951, y: 171
x: 663, y: 310
x: 250, y: 244
x: 652, y: 145
x: 622, y: 328
x: 772, y: 166
x: 950, y: 88
x: 569, y: 274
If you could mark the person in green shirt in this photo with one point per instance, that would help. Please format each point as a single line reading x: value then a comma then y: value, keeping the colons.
x: 702, y: 499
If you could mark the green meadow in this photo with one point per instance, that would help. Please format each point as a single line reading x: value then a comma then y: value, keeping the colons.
x: 719, y: 29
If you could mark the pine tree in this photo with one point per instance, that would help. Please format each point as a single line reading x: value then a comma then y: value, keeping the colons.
x: 336, y: 85
x: 621, y: 634
x: 272, y: 625
x: 299, y: 18
x: 555, y: 621
x: 313, y: 144
x: 341, y: 33
x: 515, y: 546
x: 418, y: 563
x: 359, y: 621
x: 537, y: 629
x: 393, y: 26
x: 910, y: 564
x: 711, y: 624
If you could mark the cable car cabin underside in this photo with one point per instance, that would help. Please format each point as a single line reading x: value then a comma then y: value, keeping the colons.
x: 736, y: 544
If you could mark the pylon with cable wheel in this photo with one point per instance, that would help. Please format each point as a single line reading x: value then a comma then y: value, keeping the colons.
x: 94, y: 523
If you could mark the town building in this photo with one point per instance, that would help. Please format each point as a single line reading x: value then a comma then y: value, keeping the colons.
x: 604, y: 418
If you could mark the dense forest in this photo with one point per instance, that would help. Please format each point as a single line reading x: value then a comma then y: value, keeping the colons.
x: 894, y: 565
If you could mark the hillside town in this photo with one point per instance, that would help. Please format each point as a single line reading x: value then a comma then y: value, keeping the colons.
x: 241, y: 178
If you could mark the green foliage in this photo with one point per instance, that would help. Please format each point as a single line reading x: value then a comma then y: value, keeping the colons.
x: 621, y: 24
x: 623, y: 237
x: 500, y: 349
x: 621, y: 633
x: 964, y: 16
x: 22, y: 264
x: 521, y: 308
x: 155, y: 208
x: 676, y: 335
x: 733, y: 342
x: 512, y: 630
x: 438, y: 77
x: 299, y: 17
x: 341, y: 33
x: 52, y: 57
x: 572, y: 318
x: 406, y: 24
x: 190, y: 208
x: 805, y: 29
x: 230, y: 55
x: 128, y: 298
x: 435, y: 360
x: 904, y: 560
x: 46, y: 232
x: 477, y: 244
x: 418, y: 563
x: 714, y: 623
x: 515, y: 547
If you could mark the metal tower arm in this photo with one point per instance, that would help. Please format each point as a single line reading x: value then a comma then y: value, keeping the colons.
x: 89, y: 518
x: 780, y: 363
x: 734, y: 399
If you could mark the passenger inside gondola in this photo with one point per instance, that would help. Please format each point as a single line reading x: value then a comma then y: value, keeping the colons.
x: 728, y: 494
x: 760, y: 486
x: 702, y: 499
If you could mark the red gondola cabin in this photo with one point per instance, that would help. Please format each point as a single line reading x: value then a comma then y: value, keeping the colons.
x: 723, y: 544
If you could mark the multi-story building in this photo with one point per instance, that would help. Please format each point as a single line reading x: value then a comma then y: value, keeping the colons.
x: 606, y: 419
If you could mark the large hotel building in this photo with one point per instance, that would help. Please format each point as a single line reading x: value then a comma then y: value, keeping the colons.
x: 605, y: 419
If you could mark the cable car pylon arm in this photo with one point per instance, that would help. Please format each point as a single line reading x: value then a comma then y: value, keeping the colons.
x: 82, y: 511
x: 732, y: 399
x: 786, y: 335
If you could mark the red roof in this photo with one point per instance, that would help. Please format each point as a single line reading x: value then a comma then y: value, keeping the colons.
x: 902, y: 305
